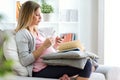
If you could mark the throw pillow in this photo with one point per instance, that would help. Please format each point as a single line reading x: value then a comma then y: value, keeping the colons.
x: 71, y: 45
x: 47, y: 32
x: 10, y: 52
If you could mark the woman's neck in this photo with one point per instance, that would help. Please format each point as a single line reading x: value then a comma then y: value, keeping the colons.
x: 32, y: 30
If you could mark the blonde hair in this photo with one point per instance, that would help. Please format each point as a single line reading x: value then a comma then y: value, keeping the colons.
x: 26, y: 13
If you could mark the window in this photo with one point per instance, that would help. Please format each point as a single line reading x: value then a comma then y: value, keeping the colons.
x: 112, y: 32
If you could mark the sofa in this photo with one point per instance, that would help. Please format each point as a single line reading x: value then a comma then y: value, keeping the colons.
x: 102, y: 72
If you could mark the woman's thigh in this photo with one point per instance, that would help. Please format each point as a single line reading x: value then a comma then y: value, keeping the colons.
x: 58, y: 71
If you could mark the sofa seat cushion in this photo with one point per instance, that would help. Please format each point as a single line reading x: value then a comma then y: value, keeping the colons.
x: 97, y: 76
x: 94, y: 76
x: 30, y: 78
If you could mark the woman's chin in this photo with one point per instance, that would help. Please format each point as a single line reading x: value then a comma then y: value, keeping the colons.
x: 37, y: 23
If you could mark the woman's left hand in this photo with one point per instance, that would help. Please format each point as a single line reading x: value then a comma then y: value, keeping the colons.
x: 58, y: 41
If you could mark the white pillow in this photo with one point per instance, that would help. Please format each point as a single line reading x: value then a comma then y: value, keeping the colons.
x: 47, y: 31
x: 10, y: 52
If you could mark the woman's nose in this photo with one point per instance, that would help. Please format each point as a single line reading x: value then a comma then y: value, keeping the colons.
x: 40, y: 17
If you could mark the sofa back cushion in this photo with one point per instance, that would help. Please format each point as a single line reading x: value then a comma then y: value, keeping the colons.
x: 10, y: 52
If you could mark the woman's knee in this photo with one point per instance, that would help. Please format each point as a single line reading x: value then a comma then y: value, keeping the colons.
x: 86, y: 72
x: 88, y: 66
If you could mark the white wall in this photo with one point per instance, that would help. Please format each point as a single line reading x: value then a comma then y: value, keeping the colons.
x: 101, y: 31
x: 89, y: 24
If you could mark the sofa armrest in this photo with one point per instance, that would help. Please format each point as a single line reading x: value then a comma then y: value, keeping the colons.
x: 110, y: 72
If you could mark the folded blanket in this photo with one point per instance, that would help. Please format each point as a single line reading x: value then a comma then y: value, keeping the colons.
x: 91, y: 55
x: 76, y: 59
x: 65, y: 55
x: 78, y: 63
x: 69, y: 55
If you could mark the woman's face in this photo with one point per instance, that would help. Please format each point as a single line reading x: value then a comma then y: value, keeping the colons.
x: 36, y: 17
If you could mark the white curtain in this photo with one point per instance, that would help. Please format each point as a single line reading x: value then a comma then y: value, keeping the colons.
x: 112, y: 32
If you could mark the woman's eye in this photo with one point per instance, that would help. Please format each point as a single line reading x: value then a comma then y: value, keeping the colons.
x: 37, y: 14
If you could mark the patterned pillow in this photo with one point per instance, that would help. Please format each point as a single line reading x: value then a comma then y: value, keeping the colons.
x: 71, y: 45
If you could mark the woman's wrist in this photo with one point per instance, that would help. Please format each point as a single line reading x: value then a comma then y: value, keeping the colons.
x: 43, y: 47
x: 39, y: 51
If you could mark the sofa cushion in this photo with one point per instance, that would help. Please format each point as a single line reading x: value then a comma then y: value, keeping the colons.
x: 47, y: 31
x: 94, y: 76
x: 10, y: 52
x: 32, y: 78
x: 97, y: 76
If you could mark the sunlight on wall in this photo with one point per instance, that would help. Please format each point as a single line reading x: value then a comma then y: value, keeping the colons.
x: 112, y: 32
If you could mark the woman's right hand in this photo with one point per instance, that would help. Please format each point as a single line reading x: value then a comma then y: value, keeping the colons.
x: 47, y: 43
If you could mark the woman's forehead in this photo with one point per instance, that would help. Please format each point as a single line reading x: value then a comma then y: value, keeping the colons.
x: 38, y: 10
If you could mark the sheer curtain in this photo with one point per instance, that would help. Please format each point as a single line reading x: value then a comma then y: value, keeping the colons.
x: 112, y: 32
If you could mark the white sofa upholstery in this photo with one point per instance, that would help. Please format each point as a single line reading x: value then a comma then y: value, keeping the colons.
x: 102, y: 73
